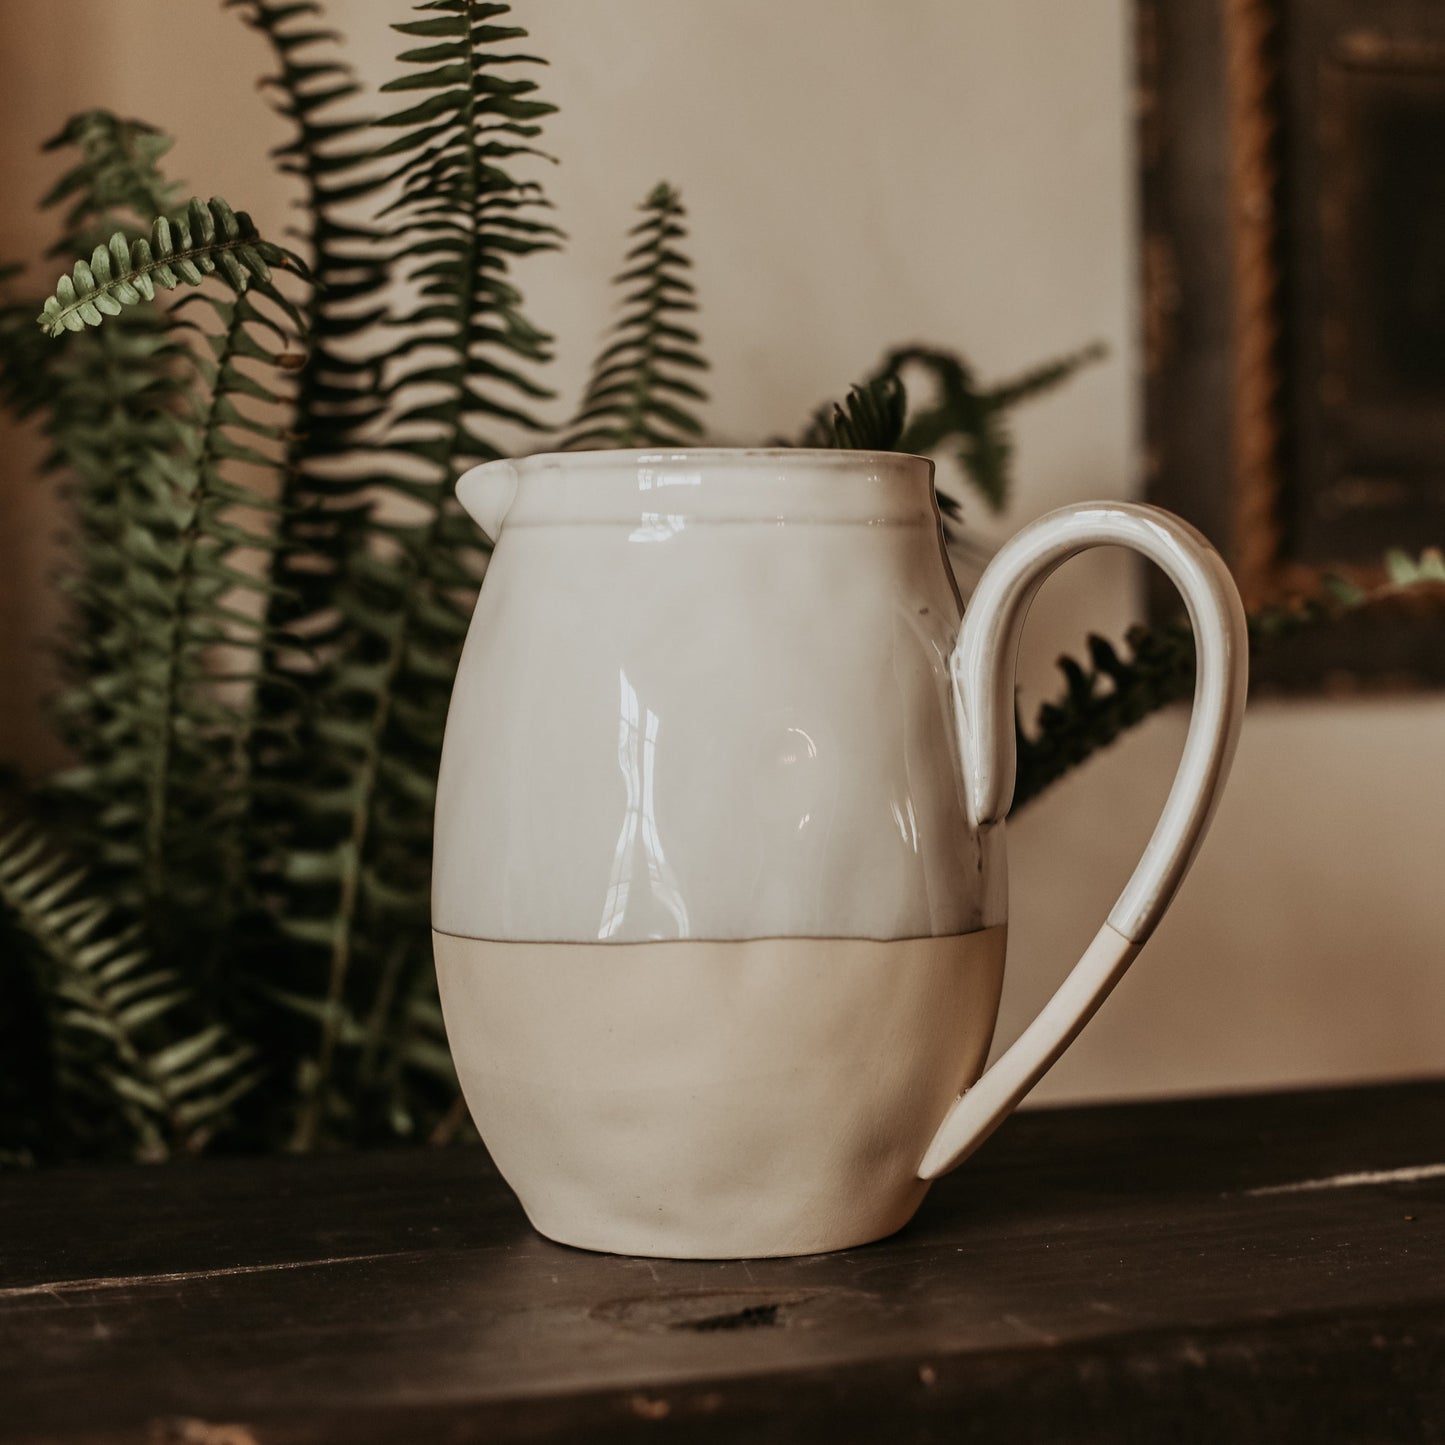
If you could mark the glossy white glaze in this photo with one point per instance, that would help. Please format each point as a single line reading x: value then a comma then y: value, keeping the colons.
x: 715, y: 709
x: 708, y: 697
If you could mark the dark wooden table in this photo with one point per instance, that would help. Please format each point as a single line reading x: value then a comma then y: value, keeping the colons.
x: 1268, y: 1268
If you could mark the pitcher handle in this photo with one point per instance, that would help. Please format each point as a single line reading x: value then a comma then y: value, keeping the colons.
x: 983, y: 668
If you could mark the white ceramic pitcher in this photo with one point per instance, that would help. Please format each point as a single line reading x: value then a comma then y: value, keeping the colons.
x: 719, y: 892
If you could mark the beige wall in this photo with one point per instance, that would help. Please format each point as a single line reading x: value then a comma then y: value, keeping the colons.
x: 861, y: 173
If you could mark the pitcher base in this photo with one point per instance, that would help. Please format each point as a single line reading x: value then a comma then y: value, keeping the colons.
x: 717, y: 1100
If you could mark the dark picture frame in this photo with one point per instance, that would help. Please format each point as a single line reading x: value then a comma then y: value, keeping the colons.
x: 1292, y: 192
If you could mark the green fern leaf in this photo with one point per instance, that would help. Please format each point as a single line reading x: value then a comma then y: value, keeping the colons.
x: 110, y: 1006
x: 161, y: 799
x: 1117, y: 691
x: 638, y: 395
x: 328, y: 464
x: 962, y: 413
x: 338, y: 380
x: 869, y: 419
x: 208, y: 238
x: 115, y: 183
x: 151, y: 413
x: 116, y: 403
x: 974, y: 417
x: 461, y: 362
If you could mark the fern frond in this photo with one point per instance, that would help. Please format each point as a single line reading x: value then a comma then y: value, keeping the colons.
x: 115, y: 183
x: 207, y: 238
x: 406, y: 1080
x: 869, y: 419
x: 638, y: 395
x: 111, y: 402
x: 120, y: 1036
x: 355, y: 876
x: 156, y: 792
x: 963, y: 413
x: 338, y: 380
x: 1102, y: 700
x: 328, y: 467
x: 972, y: 417
x: 1115, y: 691
x: 115, y: 407
x: 161, y: 794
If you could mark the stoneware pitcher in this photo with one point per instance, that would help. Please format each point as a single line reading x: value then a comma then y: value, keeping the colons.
x: 719, y: 892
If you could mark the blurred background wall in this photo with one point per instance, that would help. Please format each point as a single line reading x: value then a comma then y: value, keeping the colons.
x: 858, y: 174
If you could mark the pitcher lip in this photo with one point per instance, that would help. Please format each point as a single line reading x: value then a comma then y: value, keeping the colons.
x: 659, y: 491
x: 642, y: 455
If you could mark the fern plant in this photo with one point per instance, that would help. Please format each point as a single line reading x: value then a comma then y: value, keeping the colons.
x: 323, y: 475
x: 871, y: 418
x: 1111, y: 693
x: 124, y: 1041
x: 188, y: 247
x: 213, y: 921
x: 641, y: 393
x: 459, y: 364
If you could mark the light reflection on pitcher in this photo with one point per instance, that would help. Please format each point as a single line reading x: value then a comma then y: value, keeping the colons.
x: 637, y: 761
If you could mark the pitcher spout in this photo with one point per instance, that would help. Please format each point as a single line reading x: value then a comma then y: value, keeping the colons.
x: 486, y: 492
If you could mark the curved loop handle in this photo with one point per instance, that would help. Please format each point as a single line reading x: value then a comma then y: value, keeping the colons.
x: 983, y: 667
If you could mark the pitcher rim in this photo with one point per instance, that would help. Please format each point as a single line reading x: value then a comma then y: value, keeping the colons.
x: 640, y: 456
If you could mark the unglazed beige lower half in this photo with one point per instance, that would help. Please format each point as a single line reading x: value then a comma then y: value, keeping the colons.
x: 717, y: 1100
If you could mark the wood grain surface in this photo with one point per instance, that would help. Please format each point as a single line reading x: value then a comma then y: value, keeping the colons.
x: 1249, y: 1268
